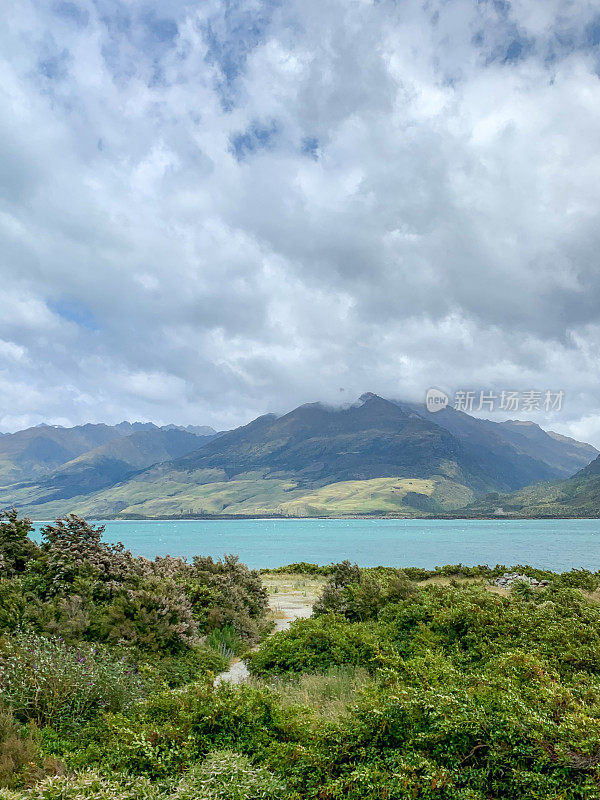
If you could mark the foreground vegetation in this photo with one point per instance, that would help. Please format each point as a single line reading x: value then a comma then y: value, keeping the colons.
x: 403, y: 684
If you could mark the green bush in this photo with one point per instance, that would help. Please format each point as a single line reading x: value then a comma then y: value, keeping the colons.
x: 314, y: 645
x: 16, y: 548
x: 92, y: 786
x: 12, y: 604
x: 229, y: 776
x: 301, y: 568
x: 19, y: 753
x: 189, y: 666
x: 472, y: 625
x: 511, y: 732
x: 227, y: 593
x: 359, y: 595
x: 80, y: 587
x: 155, y: 616
x: 49, y: 682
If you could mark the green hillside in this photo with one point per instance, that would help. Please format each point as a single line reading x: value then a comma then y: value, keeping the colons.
x: 160, y: 495
x: 577, y: 497
x: 408, y: 497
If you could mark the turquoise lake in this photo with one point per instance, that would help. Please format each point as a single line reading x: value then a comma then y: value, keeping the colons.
x: 554, y: 544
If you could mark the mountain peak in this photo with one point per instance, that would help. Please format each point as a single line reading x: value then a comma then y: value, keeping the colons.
x: 369, y: 397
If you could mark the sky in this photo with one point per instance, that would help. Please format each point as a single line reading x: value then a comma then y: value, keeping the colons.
x: 212, y: 210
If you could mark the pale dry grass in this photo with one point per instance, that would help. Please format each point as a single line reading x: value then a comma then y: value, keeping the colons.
x: 291, y: 596
x: 593, y: 597
x: 308, y: 587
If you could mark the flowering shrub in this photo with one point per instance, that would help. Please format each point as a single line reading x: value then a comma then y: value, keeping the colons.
x: 154, y: 616
x: 73, y: 551
x: 79, y: 587
x: 49, y: 682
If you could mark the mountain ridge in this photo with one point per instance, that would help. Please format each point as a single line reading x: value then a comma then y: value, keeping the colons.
x: 368, y: 457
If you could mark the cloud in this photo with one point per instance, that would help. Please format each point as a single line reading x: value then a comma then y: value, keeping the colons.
x: 208, y: 211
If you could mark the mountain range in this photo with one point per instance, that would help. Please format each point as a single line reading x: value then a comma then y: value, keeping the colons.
x: 373, y: 457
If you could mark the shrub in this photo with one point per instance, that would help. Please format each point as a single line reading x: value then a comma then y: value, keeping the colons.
x: 472, y: 625
x: 50, y: 682
x: 91, y: 786
x: 79, y: 587
x: 236, y: 596
x: 360, y: 594
x: 170, y: 731
x: 16, y: 548
x: 523, y: 589
x: 189, y: 666
x: 229, y: 776
x: 18, y: 752
x: 511, y: 732
x: 12, y: 604
x: 157, y: 616
x: 314, y: 645
x: 301, y: 568
x: 73, y: 551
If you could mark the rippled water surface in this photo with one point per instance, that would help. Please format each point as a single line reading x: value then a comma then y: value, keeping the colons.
x: 554, y: 544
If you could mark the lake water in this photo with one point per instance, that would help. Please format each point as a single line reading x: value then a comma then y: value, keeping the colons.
x: 553, y: 544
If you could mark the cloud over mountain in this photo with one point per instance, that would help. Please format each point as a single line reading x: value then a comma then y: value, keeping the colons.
x: 212, y: 210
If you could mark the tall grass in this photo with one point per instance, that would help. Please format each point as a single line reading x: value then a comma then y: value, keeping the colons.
x: 329, y: 693
x: 225, y: 641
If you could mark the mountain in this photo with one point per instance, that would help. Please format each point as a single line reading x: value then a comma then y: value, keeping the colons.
x: 36, y: 451
x: 522, y: 444
x: 578, y: 496
x: 105, y: 466
x: 372, y: 457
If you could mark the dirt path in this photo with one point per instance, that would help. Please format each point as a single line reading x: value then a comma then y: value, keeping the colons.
x: 291, y: 597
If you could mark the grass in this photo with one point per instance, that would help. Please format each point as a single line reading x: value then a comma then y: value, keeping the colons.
x: 330, y: 694
x: 376, y: 496
x: 167, y: 496
x: 305, y: 587
x: 176, y: 493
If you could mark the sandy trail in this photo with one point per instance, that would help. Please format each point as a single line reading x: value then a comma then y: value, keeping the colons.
x: 291, y: 597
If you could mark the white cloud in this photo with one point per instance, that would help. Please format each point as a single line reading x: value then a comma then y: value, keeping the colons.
x: 207, y: 212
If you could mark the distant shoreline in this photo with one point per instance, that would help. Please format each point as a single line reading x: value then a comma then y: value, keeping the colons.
x: 272, y: 517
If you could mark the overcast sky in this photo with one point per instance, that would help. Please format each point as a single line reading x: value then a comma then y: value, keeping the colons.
x: 210, y: 210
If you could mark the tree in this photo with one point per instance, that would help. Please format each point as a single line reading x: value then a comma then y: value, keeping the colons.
x: 16, y: 548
